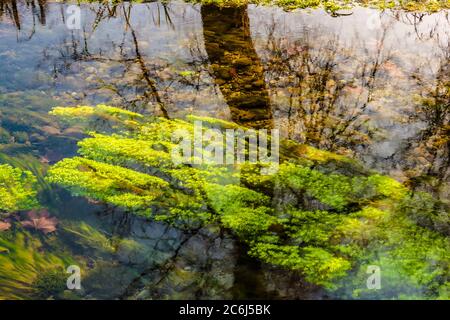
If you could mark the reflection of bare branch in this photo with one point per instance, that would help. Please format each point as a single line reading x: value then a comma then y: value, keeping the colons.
x: 14, y: 12
x: 415, y: 19
x: 140, y: 60
x: 157, y: 20
x: 76, y: 49
x: 323, y: 105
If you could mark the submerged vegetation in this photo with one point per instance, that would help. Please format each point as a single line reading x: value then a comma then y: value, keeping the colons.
x: 321, y: 214
x: 17, y: 189
x: 26, y: 265
x: 118, y: 205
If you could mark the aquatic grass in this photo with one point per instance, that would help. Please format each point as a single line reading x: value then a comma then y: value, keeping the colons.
x: 88, y: 237
x: 22, y: 260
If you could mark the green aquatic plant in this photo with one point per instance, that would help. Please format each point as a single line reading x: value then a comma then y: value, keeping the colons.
x: 17, y: 189
x: 87, y: 237
x: 102, y: 117
x: 23, y: 261
x: 427, y: 212
x: 108, y: 183
x: 320, y: 214
x: 50, y: 284
x: 413, y: 260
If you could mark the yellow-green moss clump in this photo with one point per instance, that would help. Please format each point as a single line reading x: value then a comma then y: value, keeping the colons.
x: 17, y: 189
x: 320, y: 214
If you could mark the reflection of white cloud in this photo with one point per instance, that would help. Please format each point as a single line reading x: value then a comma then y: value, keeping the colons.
x: 374, y: 21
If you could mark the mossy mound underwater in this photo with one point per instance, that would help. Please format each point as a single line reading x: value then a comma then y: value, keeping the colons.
x: 321, y: 214
x: 17, y: 189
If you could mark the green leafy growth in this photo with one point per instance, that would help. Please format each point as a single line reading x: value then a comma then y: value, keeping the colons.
x: 321, y: 214
x: 413, y: 260
x: 242, y: 210
x: 86, y: 112
x: 17, y: 189
x: 101, y: 117
x: 318, y: 265
x: 50, y: 284
x: 213, y: 122
x: 111, y: 184
x: 338, y: 190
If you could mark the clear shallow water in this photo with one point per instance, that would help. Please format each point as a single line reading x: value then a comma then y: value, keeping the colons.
x: 353, y: 85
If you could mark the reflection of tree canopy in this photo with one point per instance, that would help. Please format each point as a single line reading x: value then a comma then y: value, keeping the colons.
x: 127, y: 53
x: 127, y: 70
x: 322, y: 96
x: 325, y: 93
x: 429, y: 152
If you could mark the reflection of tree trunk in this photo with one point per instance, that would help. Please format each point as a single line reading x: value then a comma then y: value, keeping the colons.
x: 42, y: 18
x: 11, y: 9
x: 15, y: 14
x: 237, y: 69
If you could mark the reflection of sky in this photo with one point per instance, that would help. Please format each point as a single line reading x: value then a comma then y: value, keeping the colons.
x: 97, y: 64
x: 34, y: 47
x: 406, y: 51
x: 364, y: 23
